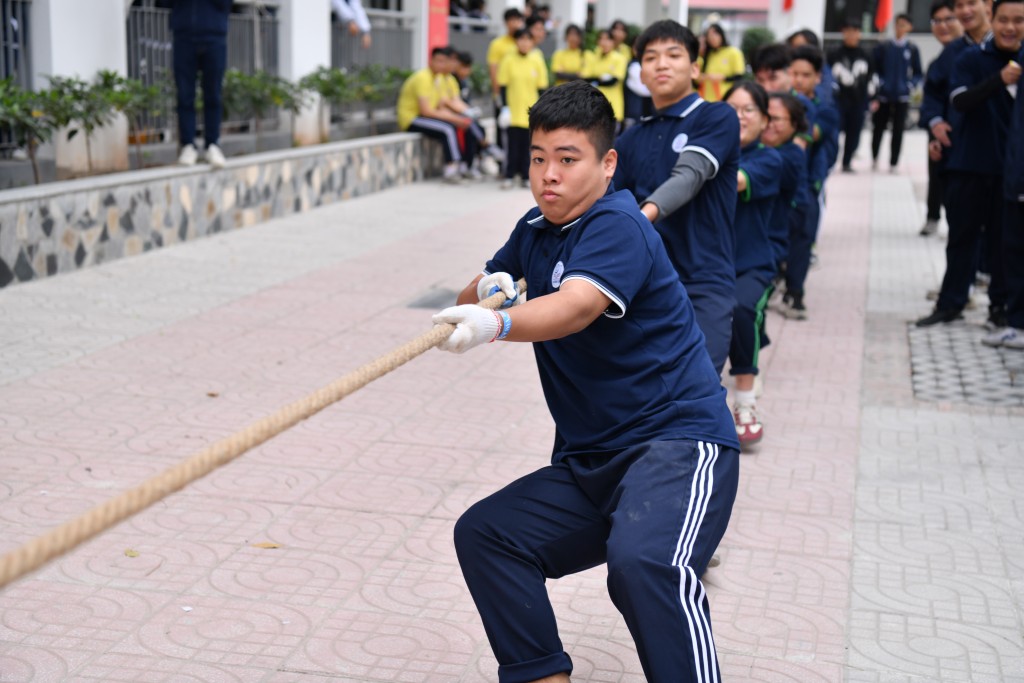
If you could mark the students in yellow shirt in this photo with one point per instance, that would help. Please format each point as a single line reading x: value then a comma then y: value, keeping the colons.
x: 620, y: 32
x: 422, y: 107
x: 568, y: 64
x: 521, y: 79
x: 496, y: 51
x: 608, y: 70
x: 723, y: 65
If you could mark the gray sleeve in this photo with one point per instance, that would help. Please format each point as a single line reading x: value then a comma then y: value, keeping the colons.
x: 691, y: 171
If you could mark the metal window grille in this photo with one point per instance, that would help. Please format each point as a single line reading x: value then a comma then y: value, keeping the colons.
x: 252, y: 46
x: 15, y: 58
x: 392, y: 42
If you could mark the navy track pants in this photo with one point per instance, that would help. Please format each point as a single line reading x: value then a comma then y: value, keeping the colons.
x: 654, y: 513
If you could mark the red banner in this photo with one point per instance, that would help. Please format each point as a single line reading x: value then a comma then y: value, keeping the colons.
x: 787, y: 5
x: 883, y: 15
x: 437, y: 25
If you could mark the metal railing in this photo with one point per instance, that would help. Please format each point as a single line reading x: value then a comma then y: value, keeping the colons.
x: 252, y: 46
x: 15, y: 58
x: 392, y: 33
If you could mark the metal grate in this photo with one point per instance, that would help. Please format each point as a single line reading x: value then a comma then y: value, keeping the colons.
x: 949, y: 364
x: 15, y: 57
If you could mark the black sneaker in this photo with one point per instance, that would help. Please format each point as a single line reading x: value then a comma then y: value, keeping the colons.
x: 996, y: 319
x: 939, y: 316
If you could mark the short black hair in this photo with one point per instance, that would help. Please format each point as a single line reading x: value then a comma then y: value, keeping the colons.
x: 940, y: 4
x: 809, y: 36
x: 669, y: 30
x: 999, y: 3
x: 520, y: 32
x: 773, y: 57
x: 513, y: 13
x: 573, y: 28
x: 906, y: 17
x: 756, y: 92
x: 576, y: 105
x: 443, y: 50
x: 465, y: 58
x: 811, y: 54
x: 851, y: 22
x: 534, y: 20
x: 796, y: 109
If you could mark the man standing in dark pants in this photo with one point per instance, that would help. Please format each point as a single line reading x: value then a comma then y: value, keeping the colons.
x: 200, y: 30
x: 946, y: 28
x: 899, y: 71
x: 983, y: 91
x: 852, y: 71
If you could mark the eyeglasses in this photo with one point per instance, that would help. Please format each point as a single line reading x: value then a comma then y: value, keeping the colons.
x: 940, y: 20
x: 748, y: 110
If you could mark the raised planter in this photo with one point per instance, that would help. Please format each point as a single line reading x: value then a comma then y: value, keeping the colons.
x: 63, y: 226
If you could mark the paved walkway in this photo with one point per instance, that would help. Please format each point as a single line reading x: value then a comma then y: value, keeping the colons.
x: 877, y: 536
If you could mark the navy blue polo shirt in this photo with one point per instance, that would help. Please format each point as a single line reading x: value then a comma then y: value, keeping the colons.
x: 763, y: 168
x: 979, y: 135
x: 699, y: 235
x: 825, y: 150
x: 793, y: 194
x: 1013, y: 179
x: 638, y: 373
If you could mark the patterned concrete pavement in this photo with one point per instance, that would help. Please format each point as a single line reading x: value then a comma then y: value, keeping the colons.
x: 876, y: 538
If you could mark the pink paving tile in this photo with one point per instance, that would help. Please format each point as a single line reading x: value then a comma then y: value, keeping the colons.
x: 368, y: 492
x: 119, y: 668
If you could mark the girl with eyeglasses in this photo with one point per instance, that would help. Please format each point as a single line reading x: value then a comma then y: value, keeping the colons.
x: 757, y: 183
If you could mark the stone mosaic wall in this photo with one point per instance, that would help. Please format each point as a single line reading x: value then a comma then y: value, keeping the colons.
x: 61, y: 227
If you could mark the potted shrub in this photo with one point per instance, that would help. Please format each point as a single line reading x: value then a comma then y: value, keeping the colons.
x: 135, y: 100
x: 22, y: 113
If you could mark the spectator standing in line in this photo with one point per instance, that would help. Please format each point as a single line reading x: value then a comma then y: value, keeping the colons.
x: 478, y: 10
x: 607, y: 70
x: 200, y: 29
x: 496, y: 51
x: 898, y: 66
x: 620, y: 33
x: 352, y: 14
x: 1012, y: 337
x: 852, y: 71
x: 758, y: 183
x: 722, y: 64
x: 521, y: 79
x: 946, y: 28
x: 681, y: 166
x: 982, y: 93
x: 569, y: 63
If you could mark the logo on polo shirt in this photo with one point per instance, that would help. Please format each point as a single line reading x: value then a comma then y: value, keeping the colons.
x: 679, y: 142
x: 556, y: 274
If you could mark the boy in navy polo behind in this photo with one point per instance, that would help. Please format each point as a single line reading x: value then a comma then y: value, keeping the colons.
x: 645, y: 464
x: 681, y: 166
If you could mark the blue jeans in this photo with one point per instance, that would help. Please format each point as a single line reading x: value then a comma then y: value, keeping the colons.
x: 192, y: 56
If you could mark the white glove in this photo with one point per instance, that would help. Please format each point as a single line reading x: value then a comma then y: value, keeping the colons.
x: 474, y: 325
x: 490, y: 285
x: 473, y: 112
x: 505, y: 118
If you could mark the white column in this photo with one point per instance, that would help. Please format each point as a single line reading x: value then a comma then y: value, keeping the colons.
x: 566, y: 12
x: 679, y: 10
x: 804, y: 14
x: 75, y: 38
x: 305, y: 45
x: 420, y: 37
x: 630, y: 11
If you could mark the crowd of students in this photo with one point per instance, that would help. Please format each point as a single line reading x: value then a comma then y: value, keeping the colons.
x: 737, y: 188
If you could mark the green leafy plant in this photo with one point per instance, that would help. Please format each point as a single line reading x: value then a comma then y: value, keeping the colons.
x: 80, y: 106
x: 256, y: 95
x: 134, y: 99
x: 333, y: 85
x: 375, y: 84
x: 752, y: 40
x: 21, y: 112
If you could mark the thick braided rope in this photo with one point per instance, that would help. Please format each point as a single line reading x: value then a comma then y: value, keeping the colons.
x: 59, y: 540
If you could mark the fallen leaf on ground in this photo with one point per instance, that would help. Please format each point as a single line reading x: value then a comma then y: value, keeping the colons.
x: 266, y: 544
x: 131, y: 553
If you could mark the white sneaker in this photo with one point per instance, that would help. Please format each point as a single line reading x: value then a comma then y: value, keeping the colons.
x: 507, y: 184
x: 188, y: 155
x: 215, y: 156
x: 496, y: 153
x: 489, y: 166
x: 1008, y: 337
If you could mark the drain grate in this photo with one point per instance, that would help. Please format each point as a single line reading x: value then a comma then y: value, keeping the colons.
x: 949, y: 363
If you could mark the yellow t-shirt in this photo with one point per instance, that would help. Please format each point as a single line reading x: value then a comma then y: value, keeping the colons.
x: 523, y: 77
x: 613, y: 64
x: 568, y: 61
x: 423, y: 83
x: 626, y: 52
x: 725, y: 61
x: 499, y: 47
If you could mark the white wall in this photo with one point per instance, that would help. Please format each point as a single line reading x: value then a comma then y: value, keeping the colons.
x: 78, y: 38
x: 804, y: 14
x: 305, y: 45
